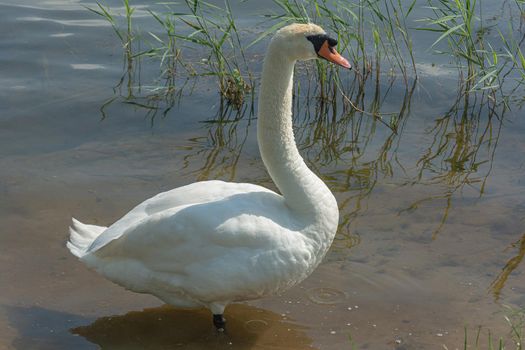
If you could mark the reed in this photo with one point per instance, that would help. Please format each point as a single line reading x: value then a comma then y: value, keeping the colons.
x: 214, y: 28
x: 483, y: 63
x: 515, y: 319
x: 127, y: 38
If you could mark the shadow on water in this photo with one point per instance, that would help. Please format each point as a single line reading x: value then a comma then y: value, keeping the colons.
x: 167, y: 328
x: 155, y: 328
x: 44, y: 329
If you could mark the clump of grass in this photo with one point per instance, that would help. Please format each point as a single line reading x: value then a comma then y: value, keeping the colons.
x: 202, y: 26
x: 234, y: 88
x: 515, y: 320
x: 213, y: 28
x: 483, y: 64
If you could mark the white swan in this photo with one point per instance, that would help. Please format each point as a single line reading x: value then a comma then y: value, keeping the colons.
x: 211, y: 243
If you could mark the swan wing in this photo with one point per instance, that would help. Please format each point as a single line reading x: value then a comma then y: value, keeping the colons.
x: 244, y: 245
x: 198, y: 192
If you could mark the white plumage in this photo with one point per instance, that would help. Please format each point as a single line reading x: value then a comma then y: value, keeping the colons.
x: 211, y: 243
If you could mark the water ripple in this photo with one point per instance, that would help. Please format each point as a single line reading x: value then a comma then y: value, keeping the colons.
x: 326, y: 296
x: 68, y: 22
x: 256, y: 326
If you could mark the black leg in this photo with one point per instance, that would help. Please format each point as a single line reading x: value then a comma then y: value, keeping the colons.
x: 220, y: 322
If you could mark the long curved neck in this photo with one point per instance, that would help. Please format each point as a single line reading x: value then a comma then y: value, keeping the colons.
x: 302, y: 190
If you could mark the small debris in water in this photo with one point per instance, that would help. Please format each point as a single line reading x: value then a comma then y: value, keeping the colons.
x: 398, y: 341
x: 332, y: 332
x: 439, y: 334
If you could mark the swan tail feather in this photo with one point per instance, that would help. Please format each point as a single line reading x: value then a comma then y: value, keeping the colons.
x: 81, y: 236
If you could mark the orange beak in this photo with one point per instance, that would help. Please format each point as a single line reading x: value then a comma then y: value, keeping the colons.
x: 333, y: 56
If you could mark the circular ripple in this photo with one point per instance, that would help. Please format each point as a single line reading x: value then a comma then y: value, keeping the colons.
x: 326, y: 295
x: 256, y: 325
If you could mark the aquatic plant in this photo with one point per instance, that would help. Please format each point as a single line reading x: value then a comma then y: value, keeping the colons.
x: 515, y: 320
x: 499, y: 282
x: 483, y: 63
x: 204, y: 25
x: 126, y: 37
x: 222, y: 146
x: 162, y: 95
x: 213, y: 28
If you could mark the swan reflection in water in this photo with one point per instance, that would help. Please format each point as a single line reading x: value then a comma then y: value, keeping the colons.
x: 168, y: 328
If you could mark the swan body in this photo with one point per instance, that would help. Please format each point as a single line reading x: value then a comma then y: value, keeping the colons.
x: 211, y: 243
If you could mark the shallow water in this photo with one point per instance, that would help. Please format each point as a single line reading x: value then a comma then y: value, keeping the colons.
x: 424, y: 236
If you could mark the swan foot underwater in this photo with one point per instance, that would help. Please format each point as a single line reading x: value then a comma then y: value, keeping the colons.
x: 211, y: 243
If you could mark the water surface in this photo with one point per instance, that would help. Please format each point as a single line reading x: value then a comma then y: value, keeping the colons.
x: 432, y: 218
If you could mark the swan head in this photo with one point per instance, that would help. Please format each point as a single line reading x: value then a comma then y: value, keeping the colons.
x: 306, y: 41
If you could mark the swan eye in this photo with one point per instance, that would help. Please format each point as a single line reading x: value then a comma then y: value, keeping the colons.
x: 319, y: 39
